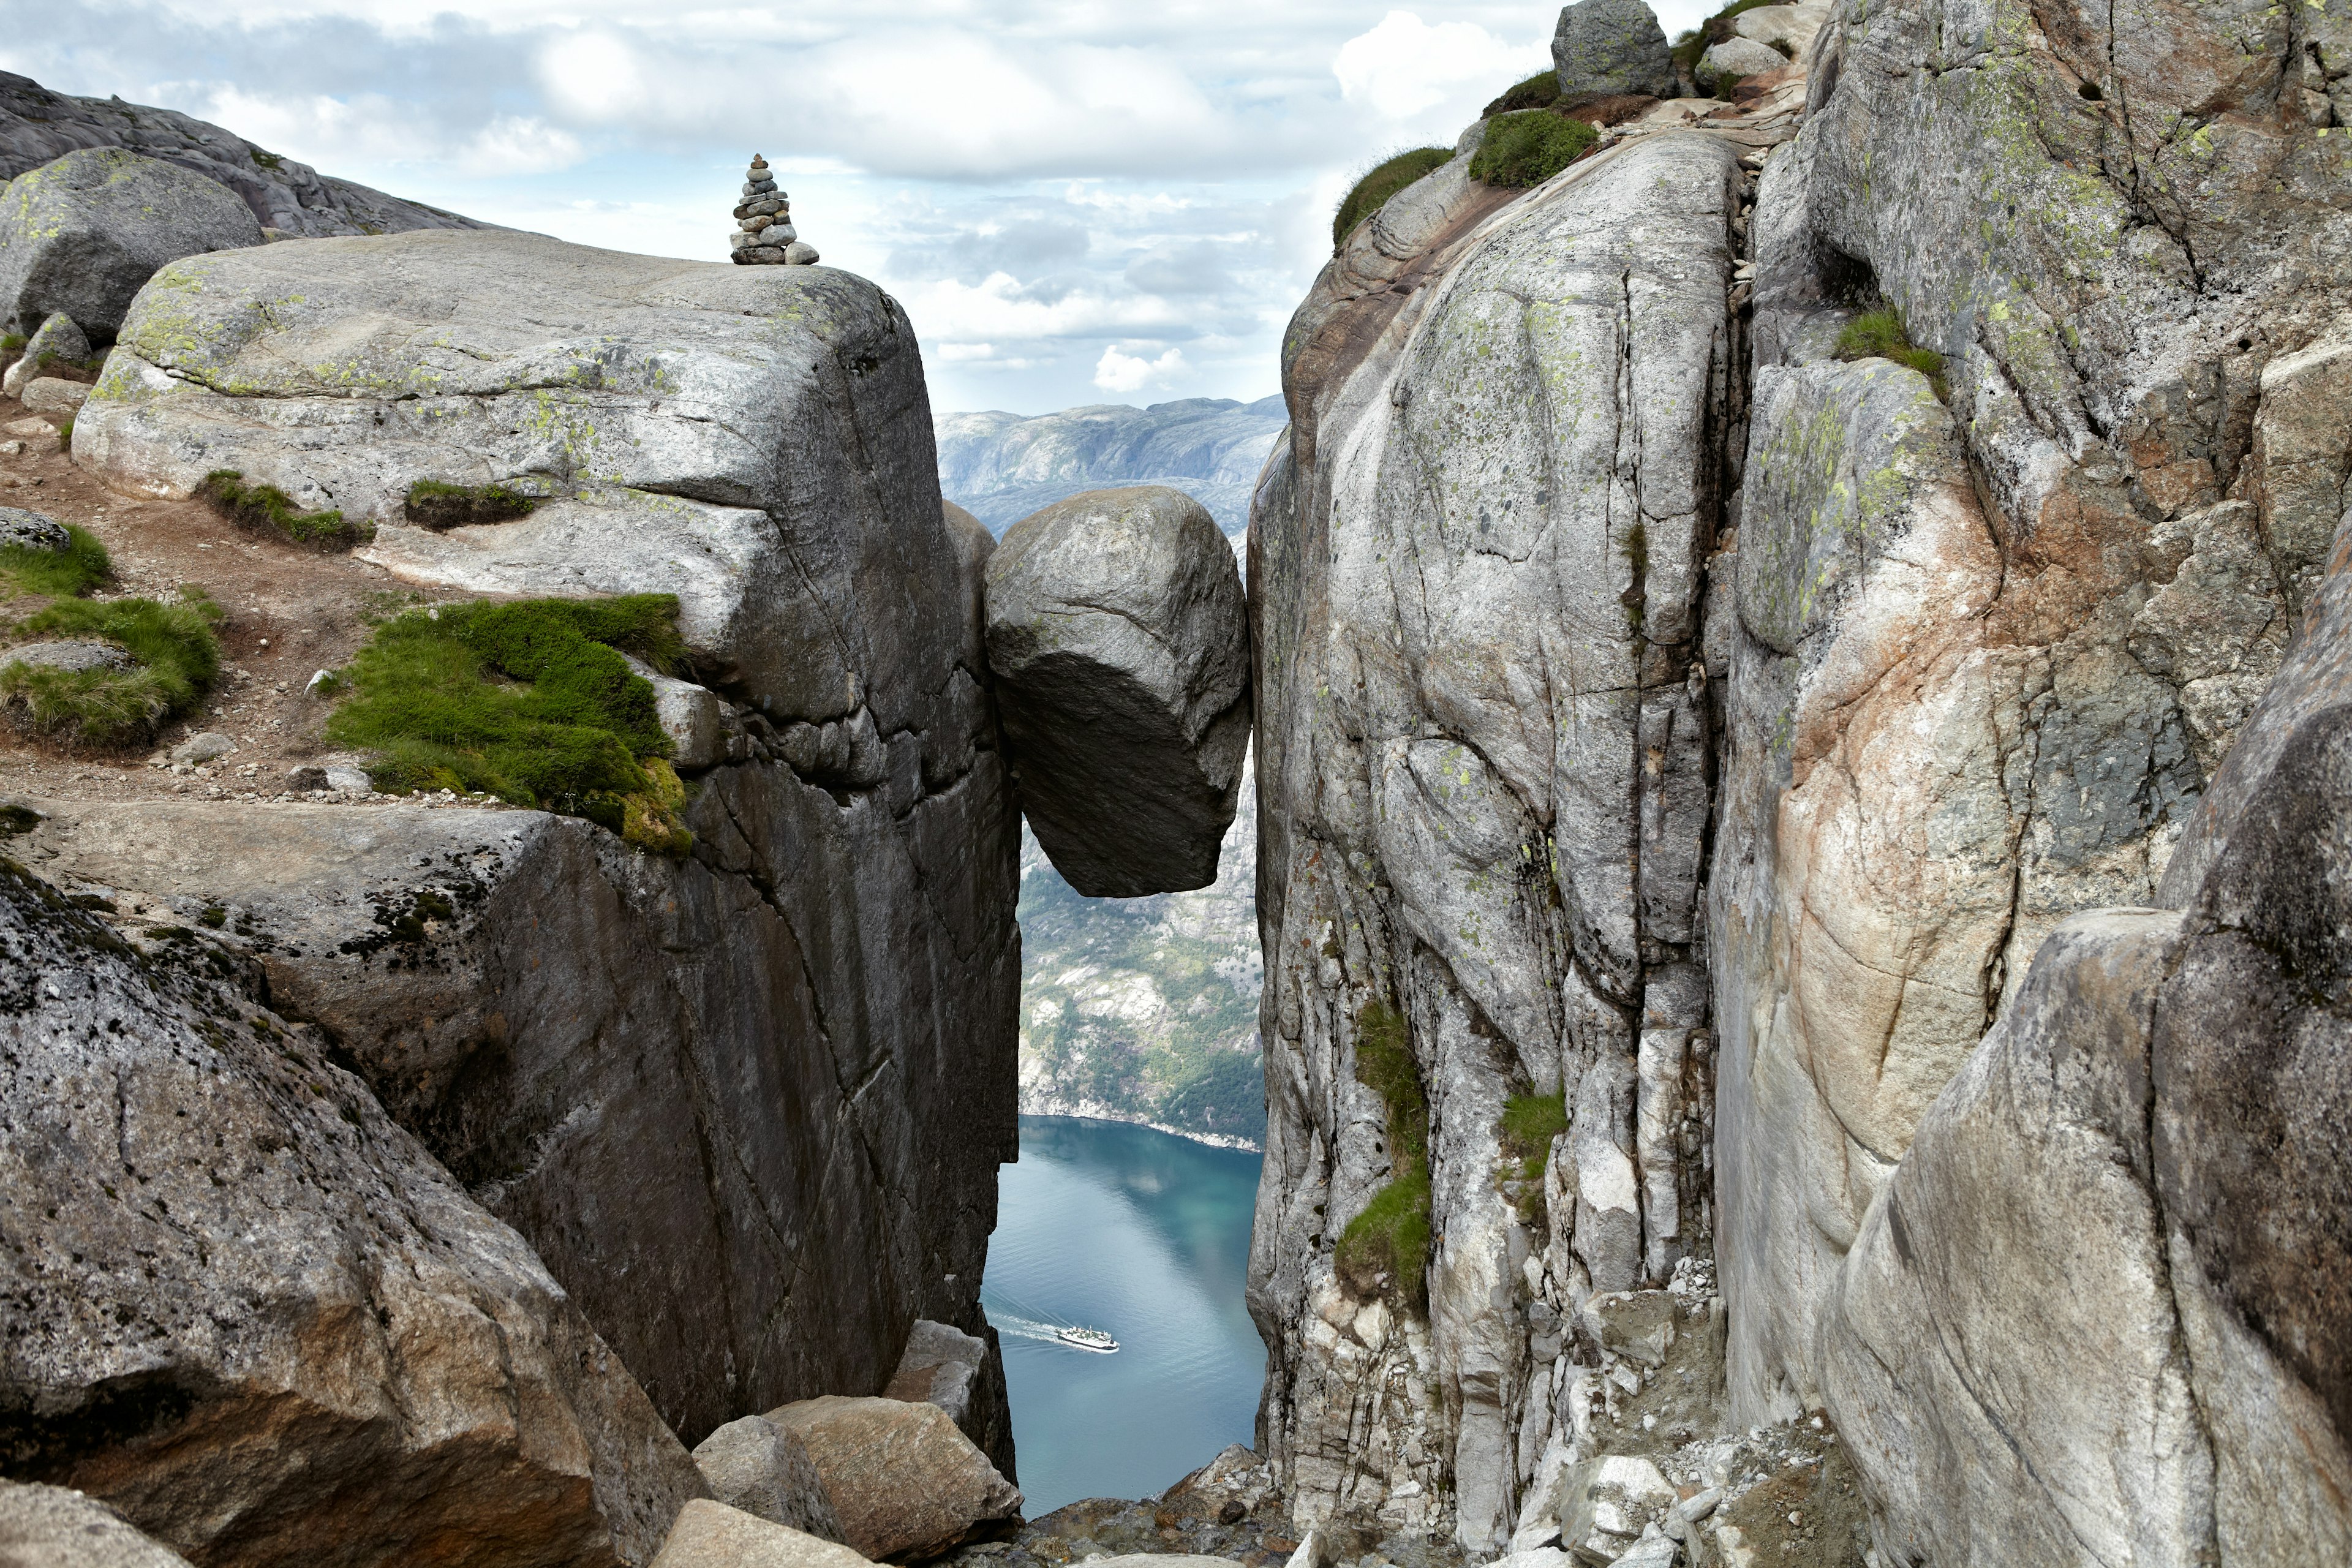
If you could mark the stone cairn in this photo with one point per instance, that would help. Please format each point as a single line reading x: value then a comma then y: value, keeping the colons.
x: 763, y: 234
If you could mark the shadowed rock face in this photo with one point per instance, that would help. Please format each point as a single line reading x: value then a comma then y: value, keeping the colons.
x: 80, y: 237
x: 252, y: 1313
x: 1121, y: 653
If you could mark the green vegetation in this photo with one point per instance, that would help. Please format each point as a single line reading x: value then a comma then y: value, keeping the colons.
x: 1387, y: 1245
x: 432, y: 504
x: 269, y: 509
x: 1379, y: 182
x: 65, y: 436
x: 1529, y: 148
x: 69, y: 574
x: 177, y: 659
x: 1530, y: 1122
x: 1540, y: 90
x: 11, y: 342
x: 531, y: 702
x: 1881, y: 335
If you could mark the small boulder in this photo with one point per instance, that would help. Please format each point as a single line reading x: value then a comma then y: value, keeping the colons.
x: 1604, y: 1504
x: 1737, y: 57
x: 59, y: 339
x: 350, y: 778
x: 24, y: 530
x: 1612, y: 47
x: 1119, y: 640
x: 713, y: 1535
x: 55, y: 1526
x: 754, y: 1465
x: 82, y: 235
x: 198, y: 749
x: 304, y: 780
x: 54, y: 397
x: 939, y: 1367
x: 1636, y: 1324
x: 1795, y: 26
x: 903, y: 1481
x: 72, y: 657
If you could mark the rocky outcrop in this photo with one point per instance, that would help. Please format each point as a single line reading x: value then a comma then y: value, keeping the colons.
x: 79, y: 238
x: 1121, y: 654
x: 1612, y: 47
x: 1477, y: 578
x: 253, y: 1314
x: 903, y: 1481
x: 748, y: 1106
x: 39, y: 126
x: 1734, y: 57
x: 52, y: 1527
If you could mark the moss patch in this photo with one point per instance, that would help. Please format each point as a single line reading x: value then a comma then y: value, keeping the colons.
x: 69, y: 574
x: 531, y: 702
x: 177, y: 660
x: 1379, y: 182
x: 433, y: 504
x: 269, y: 509
x: 1530, y: 1122
x: 1385, y: 1250
x: 1529, y: 148
x: 1881, y: 335
x: 1540, y: 90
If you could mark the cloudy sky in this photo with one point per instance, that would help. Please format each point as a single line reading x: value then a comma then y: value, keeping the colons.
x: 1078, y: 201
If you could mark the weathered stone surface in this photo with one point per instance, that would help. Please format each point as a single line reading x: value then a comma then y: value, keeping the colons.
x: 1795, y: 26
x: 56, y: 337
x: 1611, y: 46
x: 756, y: 1466
x: 54, y: 396
x: 1120, y: 647
x: 939, y: 1367
x: 52, y: 1527
x: 70, y: 656
x: 1736, y: 57
x: 904, y: 1482
x: 256, y: 1316
x: 24, y: 530
x: 712, y: 1535
x: 82, y: 235
x: 1480, y: 762
x: 39, y: 126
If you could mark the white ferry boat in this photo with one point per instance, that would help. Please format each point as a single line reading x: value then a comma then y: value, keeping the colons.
x: 1087, y: 1340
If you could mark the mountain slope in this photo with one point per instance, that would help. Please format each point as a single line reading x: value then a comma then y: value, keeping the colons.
x: 1003, y: 467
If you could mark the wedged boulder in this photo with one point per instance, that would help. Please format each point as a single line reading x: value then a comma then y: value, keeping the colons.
x: 81, y: 236
x: 57, y: 338
x: 54, y: 1526
x: 1120, y: 645
x: 251, y: 1313
x: 1612, y: 47
x: 712, y: 1535
x: 903, y: 1481
x: 762, y: 1468
x: 1737, y: 56
x: 939, y: 1367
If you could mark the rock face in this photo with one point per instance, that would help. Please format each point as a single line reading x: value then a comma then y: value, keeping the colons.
x: 1120, y: 648
x: 748, y: 1108
x: 51, y: 1527
x: 256, y: 1316
x: 80, y: 236
x: 903, y: 1481
x: 1612, y: 47
x: 39, y: 126
x: 1476, y: 579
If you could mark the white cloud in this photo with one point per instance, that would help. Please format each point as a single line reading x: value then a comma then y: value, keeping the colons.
x: 1116, y: 372
x: 519, y: 144
x: 1405, y: 65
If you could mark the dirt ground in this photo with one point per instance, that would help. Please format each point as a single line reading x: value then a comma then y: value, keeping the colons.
x: 289, y: 613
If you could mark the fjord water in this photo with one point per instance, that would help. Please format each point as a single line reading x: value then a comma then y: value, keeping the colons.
x: 1147, y: 1235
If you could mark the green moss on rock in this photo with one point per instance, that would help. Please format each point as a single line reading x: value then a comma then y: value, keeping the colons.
x: 1529, y: 148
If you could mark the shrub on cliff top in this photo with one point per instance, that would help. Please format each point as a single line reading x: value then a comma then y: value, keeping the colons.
x: 1540, y: 90
x: 269, y: 509
x: 1386, y: 1248
x: 1529, y: 148
x: 531, y: 702
x: 1379, y: 182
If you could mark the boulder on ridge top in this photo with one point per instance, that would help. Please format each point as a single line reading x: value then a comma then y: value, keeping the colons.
x: 1120, y: 644
x: 83, y: 235
x: 904, y: 1482
x: 52, y: 1527
x: 255, y: 1316
x: 1614, y: 46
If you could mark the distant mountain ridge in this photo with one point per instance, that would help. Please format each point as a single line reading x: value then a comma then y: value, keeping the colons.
x: 1001, y: 466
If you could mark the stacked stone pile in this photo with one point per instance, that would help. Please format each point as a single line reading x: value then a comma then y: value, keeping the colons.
x: 763, y: 223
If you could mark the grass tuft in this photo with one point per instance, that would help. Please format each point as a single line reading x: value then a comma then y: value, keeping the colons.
x: 1881, y: 335
x: 531, y: 702
x: 1530, y: 1122
x: 65, y: 436
x: 1381, y: 182
x: 1529, y: 148
x: 432, y: 504
x: 1540, y: 90
x: 69, y: 574
x: 178, y: 660
x: 269, y: 509
x: 1386, y: 1248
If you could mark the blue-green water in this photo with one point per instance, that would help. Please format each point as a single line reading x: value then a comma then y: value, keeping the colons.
x: 1148, y: 1237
